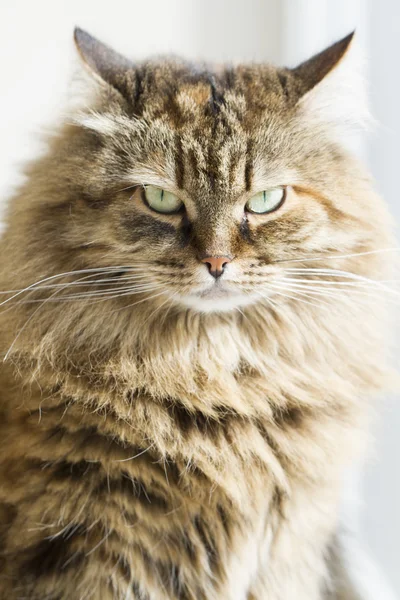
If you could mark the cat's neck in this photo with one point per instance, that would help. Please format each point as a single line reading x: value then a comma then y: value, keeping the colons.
x: 209, y: 362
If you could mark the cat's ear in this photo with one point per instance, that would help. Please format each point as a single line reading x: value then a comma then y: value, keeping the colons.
x: 103, y: 62
x: 312, y: 71
x: 332, y: 86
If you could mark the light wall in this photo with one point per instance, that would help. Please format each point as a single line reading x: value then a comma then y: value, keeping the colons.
x: 382, y: 481
x: 37, y: 55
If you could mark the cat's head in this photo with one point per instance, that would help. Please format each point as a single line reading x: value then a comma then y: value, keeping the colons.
x: 205, y: 183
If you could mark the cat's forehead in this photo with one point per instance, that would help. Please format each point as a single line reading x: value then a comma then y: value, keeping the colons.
x: 185, y: 93
x: 208, y: 130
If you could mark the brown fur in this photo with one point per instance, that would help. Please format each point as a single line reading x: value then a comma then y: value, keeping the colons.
x: 150, y: 449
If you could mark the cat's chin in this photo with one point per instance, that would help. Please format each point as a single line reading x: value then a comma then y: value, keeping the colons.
x: 216, y: 302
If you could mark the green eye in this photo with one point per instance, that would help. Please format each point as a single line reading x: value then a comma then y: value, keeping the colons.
x: 161, y: 200
x: 267, y: 201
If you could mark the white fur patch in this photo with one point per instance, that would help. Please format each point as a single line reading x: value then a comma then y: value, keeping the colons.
x: 104, y: 123
x: 204, y: 304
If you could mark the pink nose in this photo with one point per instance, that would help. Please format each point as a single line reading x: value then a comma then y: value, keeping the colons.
x: 216, y: 264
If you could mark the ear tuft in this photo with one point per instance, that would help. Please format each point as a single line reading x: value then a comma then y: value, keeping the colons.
x: 102, y: 61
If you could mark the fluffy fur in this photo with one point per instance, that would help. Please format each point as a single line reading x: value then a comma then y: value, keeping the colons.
x: 163, y: 435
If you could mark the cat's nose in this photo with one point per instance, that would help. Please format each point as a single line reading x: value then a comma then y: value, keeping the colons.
x: 216, y: 264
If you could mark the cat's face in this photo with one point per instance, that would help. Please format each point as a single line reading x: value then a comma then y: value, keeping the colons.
x: 215, y: 240
x: 208, y: 183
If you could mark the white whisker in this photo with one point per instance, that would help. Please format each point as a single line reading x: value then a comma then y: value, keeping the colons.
x: 100, y: 543
x: 342, y: 294
x: 138, y: 302
x: 123, y: 294
x: 25, y: 325
x: 97, y: 294
x: 347, y: 274
x: 304, y: 294
x: 170, y: 306
x: 112, y: 292
x: 36, y: 311
x: 279, y: 309
x: 37, y: 283
x: 324, y: 283
x: 335, y: 256
x: 340, y: 289
x: 159, y: 307
x: 135, y: 456
x: 298, y: 299
x: 306, y: 290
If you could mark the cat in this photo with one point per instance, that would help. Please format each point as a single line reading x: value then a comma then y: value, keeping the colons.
x: 191, y: 335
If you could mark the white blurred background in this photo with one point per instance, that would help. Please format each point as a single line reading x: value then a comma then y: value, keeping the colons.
x: 36, y: 61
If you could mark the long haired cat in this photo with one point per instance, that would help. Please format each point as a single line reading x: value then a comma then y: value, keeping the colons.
x: 190, y: 336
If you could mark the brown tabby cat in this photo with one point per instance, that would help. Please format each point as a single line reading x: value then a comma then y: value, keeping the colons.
x: 190, y: 336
